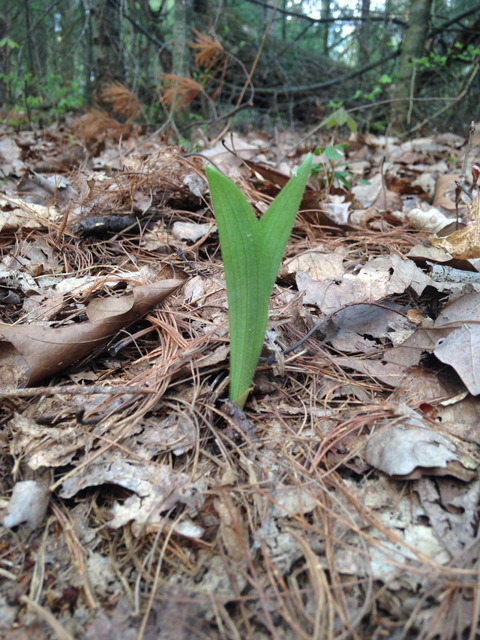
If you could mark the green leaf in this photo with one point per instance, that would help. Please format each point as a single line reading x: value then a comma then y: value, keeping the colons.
x: 7, y: 41
x: 252, y: 251
x: 339, y: 117
x: 351, y: 124
x: 243, y: 255
x: 277, y: 221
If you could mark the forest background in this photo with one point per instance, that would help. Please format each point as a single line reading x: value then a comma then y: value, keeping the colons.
x: 397, y: 66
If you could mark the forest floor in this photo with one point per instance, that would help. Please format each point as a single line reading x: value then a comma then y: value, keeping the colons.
x: 136, y: 502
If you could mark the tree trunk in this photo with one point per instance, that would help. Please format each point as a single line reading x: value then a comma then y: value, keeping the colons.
x: 66, y: 63
x: 3, y: 61
x: 107, y: 51
x: 325, y: 14
x: 386, y: 30
x: 363, y: 34
x: 269, y: 8
x: 413, y: 47
x: 182, y: 29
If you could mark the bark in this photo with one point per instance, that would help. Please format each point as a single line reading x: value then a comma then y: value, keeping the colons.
x: 3, y: 61
x: 325, y: 14
x: 88, y: 56
x: 386, y: 29
x: 66, y: 61
x: 413, y: 47
x: 182, y: 30
x: 107, y: 50
x: 363, y: 34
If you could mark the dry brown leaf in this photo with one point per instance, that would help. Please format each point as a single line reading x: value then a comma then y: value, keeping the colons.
x: 452, y: 511
x: 121, y: 99
x: 17, y: 214
x: 318, y: 264
x: 461, y: 347
x: 378, y: 279
x: 348, y: 328
x: 465, y: 243
x: 400, y: 448
x: 179, y: 91
x: 432, y: 221
x: 209, y: 49
x: 31, y: 352
x: 461, y: 350
x: 233, y: 527
x: 10, y: 158
x: 441, y: 187
x: 45, y: 191
x: 97, y: 122
x: 292, y: 500
x: 156, y: 490
x: 387, y: 200
x: 42, y: 446
x: 28, y: 504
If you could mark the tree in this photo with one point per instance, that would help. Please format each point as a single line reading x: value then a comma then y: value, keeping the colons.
x: 363, y: 34
x: 413, y: 47
x: 325, y: 15
x: 107, y: 49
x: 182, y: 30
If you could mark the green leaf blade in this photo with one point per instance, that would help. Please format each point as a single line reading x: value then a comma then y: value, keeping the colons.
x: 245, y: 263
x: 277, y: 222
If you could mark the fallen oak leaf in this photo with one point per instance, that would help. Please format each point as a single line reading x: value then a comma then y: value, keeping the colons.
x: 31, y: 352
x: 464, y: 244
x: 461, y: 350
x: 461, y: 347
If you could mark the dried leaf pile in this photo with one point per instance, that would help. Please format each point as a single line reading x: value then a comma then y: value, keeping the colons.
x: 136, y: 501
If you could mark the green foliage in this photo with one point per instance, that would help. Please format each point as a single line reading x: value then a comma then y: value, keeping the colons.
x: 8, y: 43
x: 52, y: 95
x: 378, y: 125
x: 252, y: 251
x: 458, y: 53
x: 333, y: 169
x: 339, y: 118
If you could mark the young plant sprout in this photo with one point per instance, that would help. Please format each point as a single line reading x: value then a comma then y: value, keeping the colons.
x: 252, y: 251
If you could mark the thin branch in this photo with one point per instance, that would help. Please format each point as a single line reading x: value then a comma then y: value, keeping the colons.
x: 329, y: 83
x: 449, y: 106
x: 302, y: 16
x: 73, y: 389
x: 460, y: 16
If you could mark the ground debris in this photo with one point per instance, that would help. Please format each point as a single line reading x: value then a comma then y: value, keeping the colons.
x: 342, y: 501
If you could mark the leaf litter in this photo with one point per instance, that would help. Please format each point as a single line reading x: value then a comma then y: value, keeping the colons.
x: 341, y: 502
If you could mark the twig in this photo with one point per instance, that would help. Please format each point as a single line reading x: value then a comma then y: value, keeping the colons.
x: 63, y: 225
x: 412, y: 90
x: 448, y: 106
x: 320, y: 324
x: 59, y: 631
x: 461, y: 184
x: 73, y: 389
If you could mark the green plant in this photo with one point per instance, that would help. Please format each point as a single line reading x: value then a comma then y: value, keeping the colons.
x: 252, y: 251
x: 339, y: 118
x: 333, y: 169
